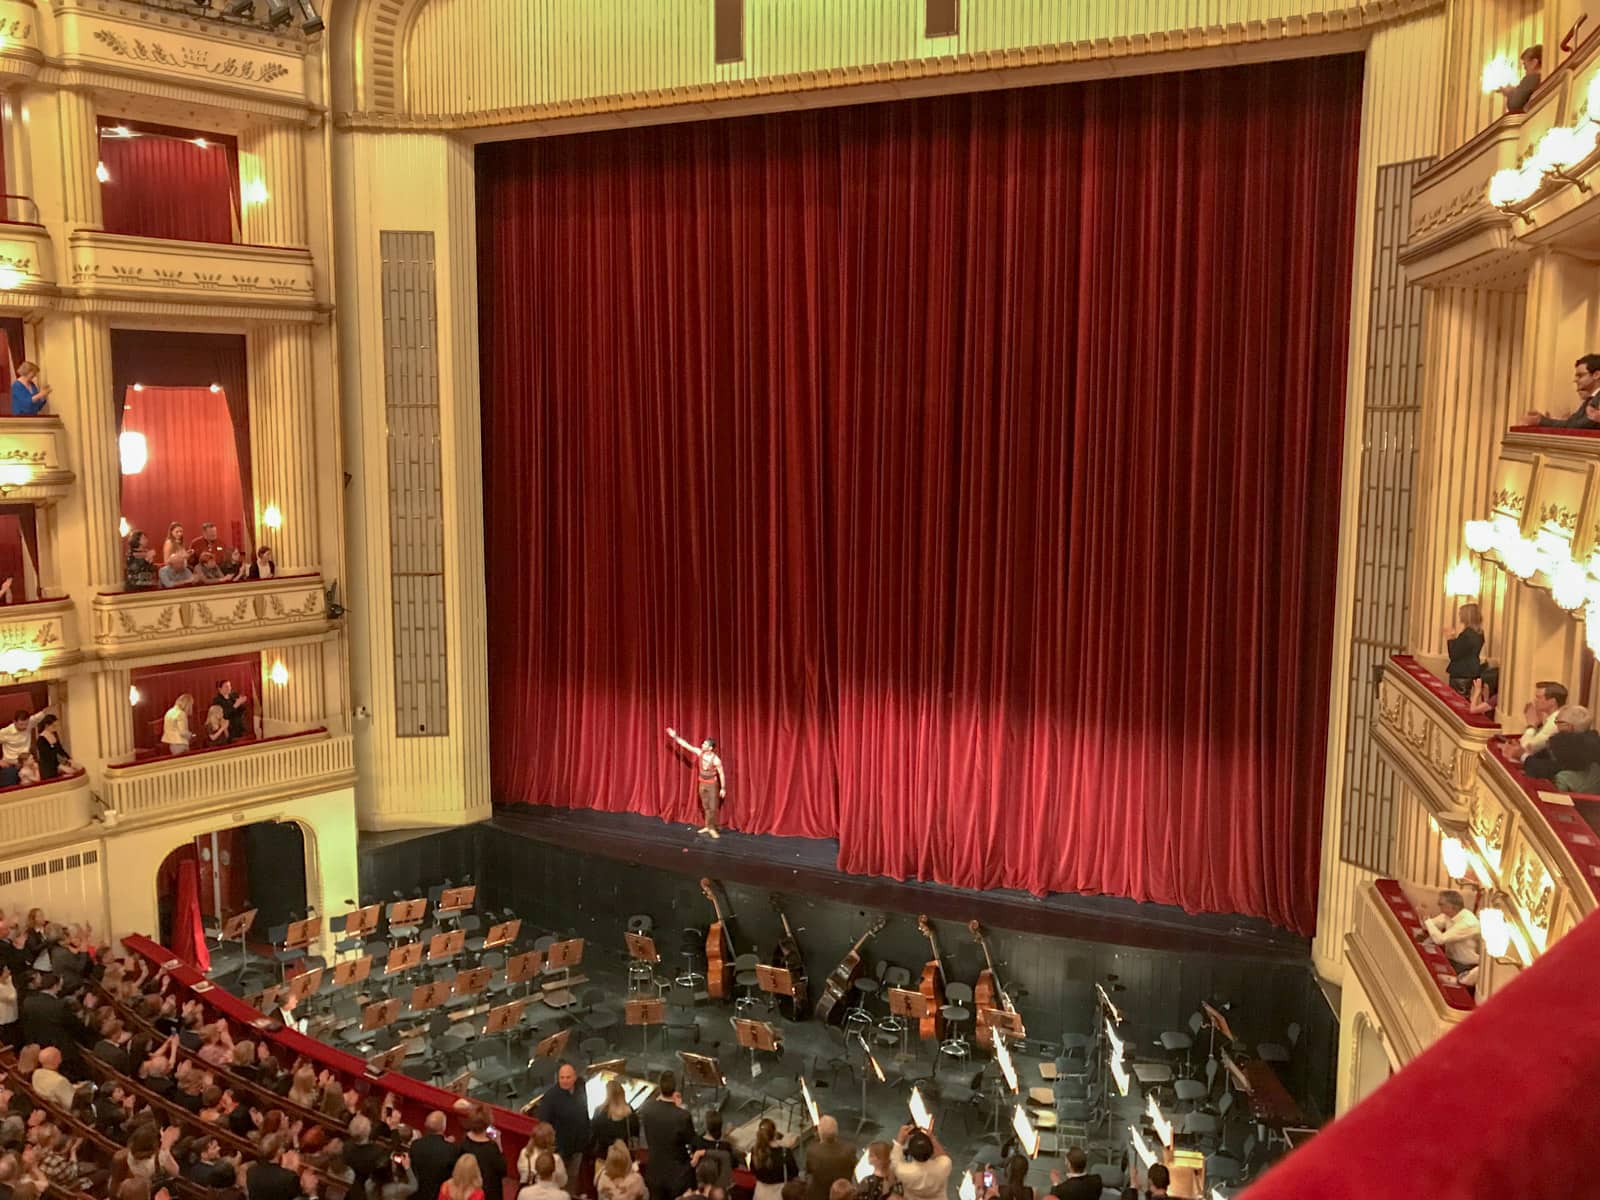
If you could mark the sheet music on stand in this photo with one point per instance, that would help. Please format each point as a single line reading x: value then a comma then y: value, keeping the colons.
x: 910, y: 1006
x: 429, y: 995
x: 522, y: 967
x: 362, y: 920
x: 554, y: 1045
x: 504, y: 1018
x: 456, y: 899
x: 472, y: 981
x: 388, y: 1060
x: 502, y: 934
x: 1008, y: 1023
x: 352, y: 970
x: 754, y: 1036
x: 564, y: 954
x: 408, y: 912
x: 403, y: 958
x: 642, y: 947
x: 774, y: 981
x: 460, y: 1083
x: 702, y: 1071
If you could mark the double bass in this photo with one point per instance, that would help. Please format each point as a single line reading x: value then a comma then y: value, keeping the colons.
x: 843, y: 977
x: 788, y: 957
x: 987, y: 994
x: 931, y: 986
x: 719, y: 950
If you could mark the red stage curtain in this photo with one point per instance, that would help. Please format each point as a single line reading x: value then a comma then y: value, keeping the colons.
x: 968, y: 466
x: 188, y: 934
x: 193, y: 470
x: 163, y: 185
x: 160, y: 686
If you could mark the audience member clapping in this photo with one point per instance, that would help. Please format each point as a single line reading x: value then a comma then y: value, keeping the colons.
x: 139, y: 570
x: 1586, y: 382
x: 1485, y: 694
x: 28, y: 398
x: 1464, y: 644
x: 175, y: 732
x: 265, y: 566
x: 54, y: 762
x: 176, y: 572
x: 1539, y: 714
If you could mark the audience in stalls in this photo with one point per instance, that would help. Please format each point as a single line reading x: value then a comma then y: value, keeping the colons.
x: 1540, y: 717
x: 564, y: 1108
x: 28, y: 399
x: 772, y: 1161
x: 619, y: 1177
x: 1455, y: 929
x: 544, y: 1185
x: 1518, y: 94
x: 1586, y: 381
x: 713, y: 1147
x: 465, y: 1182
x: 1157, y: 1179
x: 881, y: 1182
x: 828, y: 1159
x: 175, y: 732
x: 669, y: 1132
x: 1464, y: 643
x: 543, y: 1141
x: 1077, y: 1184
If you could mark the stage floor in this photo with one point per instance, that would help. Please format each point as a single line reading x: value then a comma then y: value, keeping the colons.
x: 809, y: 865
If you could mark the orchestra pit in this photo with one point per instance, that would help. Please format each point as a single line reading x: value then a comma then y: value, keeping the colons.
x: 754, y: 600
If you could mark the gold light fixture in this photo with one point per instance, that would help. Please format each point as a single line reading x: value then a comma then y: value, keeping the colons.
x: 279, y: 674
x: 13, y: 476
x: 17, y: 662
x: 272, y: 517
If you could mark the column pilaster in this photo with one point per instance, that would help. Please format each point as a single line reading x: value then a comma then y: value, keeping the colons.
x: 272, y: 178
x: 90, y: 415
x: 295, y: 704
x: 77, y: 154
x: 283, y: 443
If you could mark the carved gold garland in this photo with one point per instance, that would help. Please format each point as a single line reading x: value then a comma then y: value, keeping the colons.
x: 190, y: 59
x: 163, y: 277
x: 1507, y: 499
x: 16, y: 454
x: 1529, y: 885
x: 1491, y: 837
x: 122, y: 622
x: 1452, y: 764
x: 1558, y: 515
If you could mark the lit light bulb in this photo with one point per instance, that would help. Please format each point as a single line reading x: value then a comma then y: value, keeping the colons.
x: 1569, y: 585
x: 202, y: 143
x: 272, y: 517
x: 1591, y: 106
x: 253, y: 191
x: 1454, y: 856
x: 11, y: 278
x: 134, y: 452
x: 138, y: 387
x: 1513, y: 185
x: 17, y: 662
x: 1521, y: 558
x: 100, y: 173
x: 14, y: 477
x: 123, y: 527
x: 1462, y: 580
x: 1499, y: 72
x: 133, y: 695
x: 1562, y: 147
x: 279, y: 674
x: 216, y: 388
x: 1479, y: 536
x: 1495, y: 931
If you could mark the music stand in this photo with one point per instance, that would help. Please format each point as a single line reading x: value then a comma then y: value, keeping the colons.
x: 352, y: 970
x: 554, y: 1045
x: 455, y: 900
x: 389, y: 1060
x: 910, y: 1007
x: 302, y: 933
x: 379, y: 1015
x: 564, y: 955
x: 403, y: 958
x: 644, y: 1013
x: 504, y: 1019
x: 359, y: 921
x: 1219, y: 1024
x: 429, y: 995
x: 756, y: 1035
x: 502, y: 934
x: 472, y: 981
x: 460, y: 1083
x: 870, y: 1060
x: 407, y: 913
x: 775, y: 982
x: 446, y: 945
x: 236, y: 929
x: 642, y: 947
x: 266, y: 999
x: 305, y: 984
x: 522, y: 968
x: 1008, y: 1023
x: 703, y: 1071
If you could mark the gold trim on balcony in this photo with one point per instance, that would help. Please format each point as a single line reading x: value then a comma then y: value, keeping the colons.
x: 115, y: 266
x: 168, y: 620
x: 1429, y: 744
x: 45, y: 812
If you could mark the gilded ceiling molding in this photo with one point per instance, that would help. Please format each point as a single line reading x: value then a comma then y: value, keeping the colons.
x: 382, y: 29
x: 133, y: 83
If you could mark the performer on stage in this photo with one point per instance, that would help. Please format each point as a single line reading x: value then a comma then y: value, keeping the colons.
x: 710, y: 783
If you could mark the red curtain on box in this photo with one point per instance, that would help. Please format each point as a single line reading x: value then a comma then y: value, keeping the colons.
x: 31, y: 696
x: 968, y: 466
x: 159, y: 687
x: 192, y: 474
x: 162, y: 184
x: 188, y: 933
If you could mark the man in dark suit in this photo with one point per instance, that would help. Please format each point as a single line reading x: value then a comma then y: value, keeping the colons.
x: 669, y: 1132
x: 829, y: 1159
x: 433, y: 1157
x: 274, y: 1176
x: 564, y: 1106
x: 1077, y: 1185
x: 47, y: 1020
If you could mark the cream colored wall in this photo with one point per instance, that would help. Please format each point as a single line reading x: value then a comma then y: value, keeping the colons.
x: 328, y: 821
x: 58, y: 880
x: 1478, y: 31
x: 1404, y: 67
x: 413, y: 182
x: 1365, y: 1059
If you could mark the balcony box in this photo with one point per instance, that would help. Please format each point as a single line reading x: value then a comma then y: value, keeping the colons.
x: 49, y: 627
x: 162, y: 786
x: 204, y: 616
x: 1409, y: 981
x: 20, y: 56
x: 41, y: 812
x: 1426, y: 732
x: 1457, y: 238
x: 122, y: 266
x: 33, y: 459
x: 26, y: 255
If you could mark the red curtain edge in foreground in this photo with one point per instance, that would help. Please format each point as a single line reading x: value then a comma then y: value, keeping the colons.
x: 968, y: 466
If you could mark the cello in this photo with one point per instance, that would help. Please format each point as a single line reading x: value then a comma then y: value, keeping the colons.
x: 842, y: 977
x: 987, y: 994
x: 788, y: 957
x: 719, y: 950
x: 931, y: 986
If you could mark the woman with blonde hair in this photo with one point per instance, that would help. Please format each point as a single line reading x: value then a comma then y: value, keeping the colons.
x: 175, y: 733
x: 541, y: 1141
x: 613, y: 1121
x: 1464, y: 643
x: 305, y: 1091
x: 465, y: 1182
x: 619, y: 1178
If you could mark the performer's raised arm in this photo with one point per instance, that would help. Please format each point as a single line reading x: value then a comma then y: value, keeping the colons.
x: 683, y: 743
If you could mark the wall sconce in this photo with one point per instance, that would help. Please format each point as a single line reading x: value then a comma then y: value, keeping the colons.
x: 11, y: 278
x: 1454, y: 856
x: 133, y: 695
x: 1462, y: 580
x: 17, y: 663
x: 1564, y: 147
x: 14, y: 477
x: 1495, y: 930
x: 1499, y: 72
x: 134, y: 452
x: 253, y: 191
x: 1569, y: 585
x: 100, y: 173
x: 272, y: 517
x: 279, y: 674
x: 123, y: 528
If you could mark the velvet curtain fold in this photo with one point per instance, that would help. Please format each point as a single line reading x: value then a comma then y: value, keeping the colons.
x: 968, y: 466
x: 161, y: 184
x: 193, y: 471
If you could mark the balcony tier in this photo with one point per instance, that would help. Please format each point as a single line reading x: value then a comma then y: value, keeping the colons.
x: 36, y: 445
x: 198, y: 617
x: 25, y: 249
x: 43, y: 812
x: 1429, y: 736
x: 49, y: 627
x: 119, y: 266
x: 20, y: 57
x: 1408, y: 979
x: 155, y: 789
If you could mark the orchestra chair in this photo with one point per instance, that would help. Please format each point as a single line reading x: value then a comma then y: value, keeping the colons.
x: 890, y: 1027
x: 1222, y: 1169
x: 1277, y: 1054
x: 1190, y: 1091
x: 692, y: 948
x: 748, y: 983
x: 957, y: 1011
x: 781, y: 1089
x: 1111, y: 1175
x: 858, y: 1018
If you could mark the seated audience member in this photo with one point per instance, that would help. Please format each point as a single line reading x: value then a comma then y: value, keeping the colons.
x: 139, y: 571
x: 1586, y: 379
x: 544, y: 1185
x: 920, y: 1164
x: 1571, y: 759
x: 216, y: 726
x: 16, y: 739
x: 1485, y: 690
x: 174, y: 543
x: 235, y: 566
x: 1455, y: 929
x: 1540, y: 717
x: 206, y: 543
x: 53, y: 759
x: 264, y: 567
x: 49, y: 1082
x: 28, y: 769
x: 176, y: 573
x: 619, y: 1178
x: 233, y: 707
x: 1517, y: 94
x: 705, y: 1187
x: 1077, y: 1184
x: 206, y: 570
x: 175, y: 734
x: 1464, y: 643
x: 27, y: 397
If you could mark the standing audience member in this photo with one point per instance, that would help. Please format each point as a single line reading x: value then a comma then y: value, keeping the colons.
x: 613, y: 1121
x: 771, y: 1161
x: 275, y: 1177
x: 54, y: 761
x: 485, y: 1150
x: 216, y: 727
x: 541, y: 1141
x: 176, y: 572
x: 881, y: 1181
x: 619, y: 1179
x: 544, y: 1185
x: 27, y: 397
x: 361, y: 1154
x: 175, y: 732
x: 713, y: 1147
x: 395, y: 1180
x: 206, y: 543
x: 1078, y: 1184
x: 139, y: 571
x: 829, y: 1158
x: 264, y: 567
x: 920, y: 1164
x: 1013, y: 1185
x: 16, y: 739
x: 1464, y: 643
x: 1586, y: 381
x: 566, y: 1109
x: 669, y: 1132
x: 47, y: 1020
x: 465, y: 1182
x: 432, y: 1157
x: 1540, y: 717
x: 8, y: 1007
x: 1455, y: 928
x: 174, y: 543
x: 233, y: 707
x: 1518, y: 94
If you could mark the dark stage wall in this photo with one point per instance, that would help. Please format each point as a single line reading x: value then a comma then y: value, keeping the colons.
x: 968, y: 466
x: 565, y: 890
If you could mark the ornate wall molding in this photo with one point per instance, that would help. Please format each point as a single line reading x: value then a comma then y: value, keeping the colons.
x: 49, y: 627
x: 139, y: 623
x: 200, y: 272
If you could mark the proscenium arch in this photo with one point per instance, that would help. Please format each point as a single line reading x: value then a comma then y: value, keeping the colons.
x: 366, y: 51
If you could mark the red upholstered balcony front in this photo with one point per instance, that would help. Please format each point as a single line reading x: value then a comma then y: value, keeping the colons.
x: 1452, y: 991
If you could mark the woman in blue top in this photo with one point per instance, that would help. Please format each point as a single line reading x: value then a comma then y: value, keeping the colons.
x: 27, y: 397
